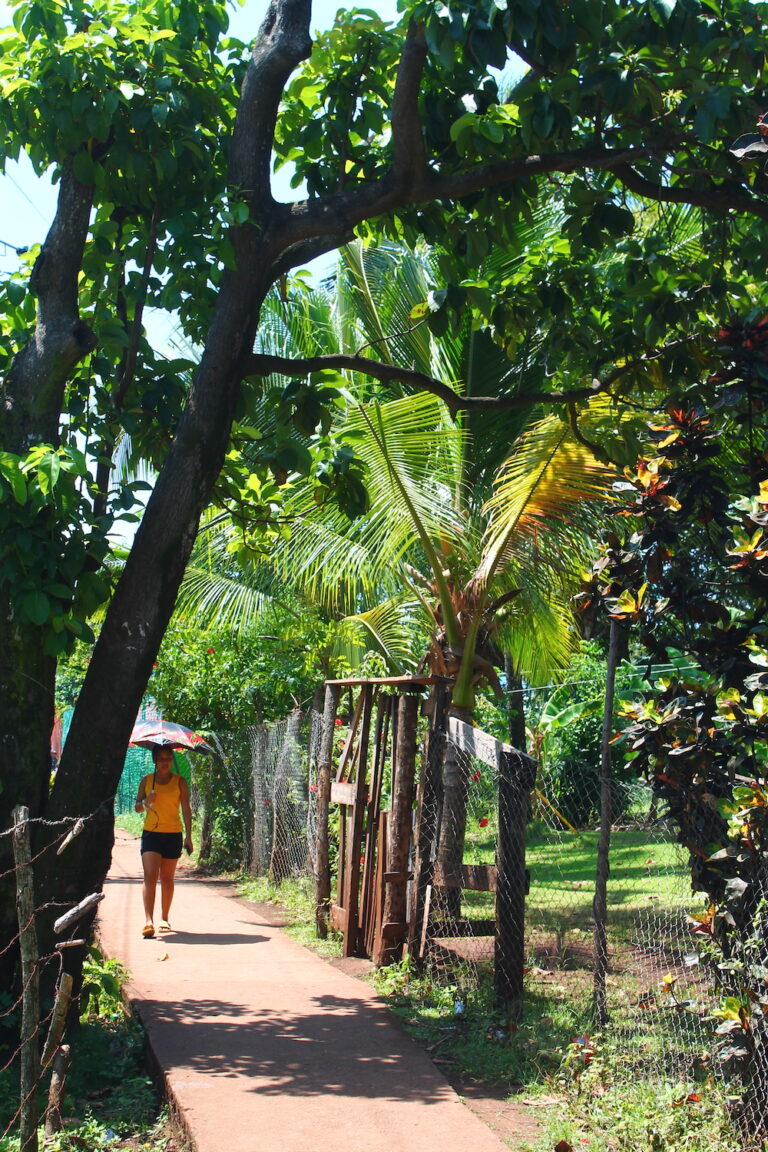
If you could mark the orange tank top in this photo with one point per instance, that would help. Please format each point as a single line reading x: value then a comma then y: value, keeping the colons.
x: 165, y: 814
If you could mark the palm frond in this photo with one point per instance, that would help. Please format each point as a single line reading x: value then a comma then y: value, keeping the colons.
x: 388, y: 628
x: 546, y: 491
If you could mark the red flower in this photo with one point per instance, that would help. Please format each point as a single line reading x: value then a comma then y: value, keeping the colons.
x: 155, y: 665
x: 483, y: 822
x: 476, y: 776
x: 209, y: 651
x: 338, y: 723
x: 313, y: 787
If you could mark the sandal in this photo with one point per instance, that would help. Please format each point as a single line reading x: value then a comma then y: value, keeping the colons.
x: 164, y: 926
x: 148, y: 931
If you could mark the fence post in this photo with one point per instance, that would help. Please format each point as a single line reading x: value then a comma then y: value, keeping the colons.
x: 324, y: 762
x: 517, y: 775
x: 30, y: 980
x: 600, y: 900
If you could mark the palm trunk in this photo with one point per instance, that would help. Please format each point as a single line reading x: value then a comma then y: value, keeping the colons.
x: 453, y: 826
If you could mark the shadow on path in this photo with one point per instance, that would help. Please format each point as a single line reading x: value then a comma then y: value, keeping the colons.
x: 339, y: 1046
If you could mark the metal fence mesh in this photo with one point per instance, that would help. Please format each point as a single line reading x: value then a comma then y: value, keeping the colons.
x: 659, y: 993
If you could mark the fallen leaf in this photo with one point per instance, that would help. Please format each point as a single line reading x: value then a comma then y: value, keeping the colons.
x: 164, y: 956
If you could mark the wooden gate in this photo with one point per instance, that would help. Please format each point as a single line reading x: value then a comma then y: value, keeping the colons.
x: 379, y: 754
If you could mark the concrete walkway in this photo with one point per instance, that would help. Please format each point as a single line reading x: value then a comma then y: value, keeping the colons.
x: 265, y: 1046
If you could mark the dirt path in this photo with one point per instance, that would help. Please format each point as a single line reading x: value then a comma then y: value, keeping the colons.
x: 263, y: 1044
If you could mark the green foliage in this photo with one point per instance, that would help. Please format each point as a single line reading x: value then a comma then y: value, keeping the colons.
x: 690, y: 578
x: 50, y: 565
x: 101, y: 992
x: 566, y: 729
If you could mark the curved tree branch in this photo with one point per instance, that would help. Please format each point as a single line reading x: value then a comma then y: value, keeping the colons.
x: 341, y: 212
x: 261, y: 364
x: 283, y: 42
x: 705, y: 194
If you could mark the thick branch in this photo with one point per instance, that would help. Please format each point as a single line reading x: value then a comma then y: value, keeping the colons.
x: 35, y: 384
x: 409, y: 162
x: 705, y: 194
x: 340, y: 213
x: 261, y: 364
x: 282, y: 43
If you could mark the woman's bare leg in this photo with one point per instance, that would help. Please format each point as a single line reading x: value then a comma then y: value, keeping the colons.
x: 167, y: 872
x: 151, y: 862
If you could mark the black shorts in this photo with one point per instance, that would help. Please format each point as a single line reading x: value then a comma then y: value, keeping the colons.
x: 168, y: 844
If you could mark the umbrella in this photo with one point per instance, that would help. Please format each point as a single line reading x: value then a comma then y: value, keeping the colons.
x: 164, y: 734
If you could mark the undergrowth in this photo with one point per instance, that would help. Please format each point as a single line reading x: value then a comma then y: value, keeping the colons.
x: 110, y: 1100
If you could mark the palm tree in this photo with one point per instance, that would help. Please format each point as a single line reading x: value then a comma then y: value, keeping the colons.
x: 469, y: 566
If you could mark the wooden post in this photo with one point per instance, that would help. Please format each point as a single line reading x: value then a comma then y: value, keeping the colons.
x: 53, y: 1123
x: 58, y: 1019
x: 324, y: 763
x: 394, y: 920
x: 30, y: 981
x: 517, y: 774
x: 600, y: 900
x: 428, y: 809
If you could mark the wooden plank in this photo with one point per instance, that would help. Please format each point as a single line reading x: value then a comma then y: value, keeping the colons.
x: 400, y: 829
x: 324, y: 766
x: 393, y: 930
x: 343, y: 793
x: 424, y: 920
x: 338, y: 918
x: 377, y: 950
x: 480, y: 744
x: 349, y: 746
x: 474, y: 878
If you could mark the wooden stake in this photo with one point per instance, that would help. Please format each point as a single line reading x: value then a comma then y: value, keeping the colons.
x: 30, y: 981
x: 76, y: 913
x: 53, y: 1122
x: 58, y: 1019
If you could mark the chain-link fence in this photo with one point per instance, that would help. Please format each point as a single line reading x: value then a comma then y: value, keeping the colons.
x: 283, y: 758
x: 664, y: 1001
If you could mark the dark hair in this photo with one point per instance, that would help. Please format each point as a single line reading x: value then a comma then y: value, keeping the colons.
x: 158, y: 748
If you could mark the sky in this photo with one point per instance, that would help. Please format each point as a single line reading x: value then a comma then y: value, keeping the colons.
x: 27, y: 202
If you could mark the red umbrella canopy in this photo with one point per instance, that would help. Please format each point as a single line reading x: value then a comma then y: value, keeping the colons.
x: 164, y: 734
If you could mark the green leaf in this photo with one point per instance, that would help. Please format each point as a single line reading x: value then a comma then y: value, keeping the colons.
x: 37, y: 607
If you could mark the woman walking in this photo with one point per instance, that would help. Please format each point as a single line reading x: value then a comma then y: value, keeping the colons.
x: 163, y: 797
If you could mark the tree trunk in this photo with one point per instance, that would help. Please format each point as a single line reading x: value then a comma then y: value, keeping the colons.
x: 517, y: 776
x: 453, y: 826
x: 515, y: 707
